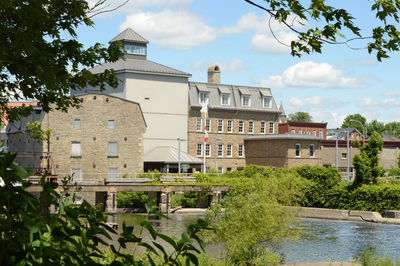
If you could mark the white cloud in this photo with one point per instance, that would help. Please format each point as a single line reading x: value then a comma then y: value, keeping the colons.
x: 312, y: 75
x: 179, y: 30
x: 369, y: 104
x: 135, y: 5
x: 235, y: 64
x: 267, y: 43
x: 392, y: 93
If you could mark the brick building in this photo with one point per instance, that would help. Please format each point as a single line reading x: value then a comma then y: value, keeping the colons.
x: 303, y: 128
x: 102, y: 139
x: 233, y: 113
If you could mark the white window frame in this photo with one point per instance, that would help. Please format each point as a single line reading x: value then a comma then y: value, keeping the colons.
x: 208, y: 150
x: 112, y: 155
x: 220, y: 125
x: 77, y: 123
x: 220, y: 169
x: 229, y: 126
x: 228, y: 99
x: 73, y: 170
x: 199, y: 145
x: 314, y: 132
x: 208, y: 124
x: 229, y: 150
x: 345, y: 155
x: 204, y: 97
x: 321, y: 133
x: 264, y: 102
x: 241, y: 150
x: 111, y: 174
x: 220, y: 150
x: 243, y: 97
x: 251, y: 127
x: 75, y: 145
x: 312, y: 151
x: 271, y: 130
x: 298, y: 150
x: 111, y: 124
x: 293, y: 131
x: 300, y: 131
x: 199, y: 122
x: 262, y: 127
x: 241, y: 126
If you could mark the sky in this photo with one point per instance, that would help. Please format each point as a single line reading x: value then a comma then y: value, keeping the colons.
x: 191, y: 35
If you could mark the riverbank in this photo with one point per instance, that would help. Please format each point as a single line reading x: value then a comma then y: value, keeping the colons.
x: 331, y: 214
x: 323, y: 264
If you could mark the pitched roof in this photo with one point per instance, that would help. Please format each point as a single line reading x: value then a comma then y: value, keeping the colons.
x: 282, y: 110
x: 129, y: 35
x: 387, y: 137
x: 136, y: 65
x: 215, y: 90
x: 168, y: 154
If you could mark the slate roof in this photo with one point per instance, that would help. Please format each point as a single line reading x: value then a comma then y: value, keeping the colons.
x: 215, y: 91
x: 283, y: 136
x: 282, y: 110
x: 130, y: 36
x: 137, y: 65
x: 387, y: 137
x: 168, y: 154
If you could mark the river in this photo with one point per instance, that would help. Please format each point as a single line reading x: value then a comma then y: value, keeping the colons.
x: 326, y: 240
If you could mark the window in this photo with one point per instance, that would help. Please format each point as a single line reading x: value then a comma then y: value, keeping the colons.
x: 135, y: 49
x: 220, y: 169
x: 262, y: 127
x: 225, y: 99
x: 24, y: 147
x: 300, y: 131
x: 77, y: 123
x: 198, y: 124
x: 298, y: 150
x: 220, y: 150
x: 240, y: 150
x: 220, y: 125
x: 113, y: 149
x: 34, y: 146
x: 246, y: 100
x: 251, y: 126
x: 321, y: 133
x: 311, y: 150
x: 314, y: 132
x: 111, y: 124
x: 207, y: 169
x: 241, y: 125
x: 76, y: 150
x: 208, y: 125
x: 267, y: 102
x: 112, y: 172
x: 228, y: 169
x: 229, y: 150
x: 203, y: 97
x: 208, y: 148
x: 293, y: 131
x: 199, y: 149
x: 76, y: 174
x: 344, y: 155
x: 271, y: 127
x: 229, y: 126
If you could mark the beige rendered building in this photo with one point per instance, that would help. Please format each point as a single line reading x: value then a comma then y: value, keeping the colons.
x: 234, y: 112
x: 95, y: 142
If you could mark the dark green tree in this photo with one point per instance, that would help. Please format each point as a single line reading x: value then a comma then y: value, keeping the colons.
x: 41, y: 58
x: 355, y: 121
x: 375, y: 126
x: 366, y: 164
x: 393, y: 129
x: 325, y: 24
x: 300, y: 117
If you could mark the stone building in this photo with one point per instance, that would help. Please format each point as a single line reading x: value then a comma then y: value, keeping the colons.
x: 102, y: 139
x: 234, y: 112
x: 283, y: 150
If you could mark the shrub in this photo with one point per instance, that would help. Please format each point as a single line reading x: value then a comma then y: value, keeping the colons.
x: 132, y: 199
x: 252, y: 170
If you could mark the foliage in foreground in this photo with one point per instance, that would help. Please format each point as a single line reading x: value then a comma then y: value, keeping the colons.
x: 73, y: 235
x: 370, y: 258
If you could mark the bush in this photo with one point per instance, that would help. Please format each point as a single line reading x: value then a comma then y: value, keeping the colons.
x: 132, y: 199
x: 252, y: 170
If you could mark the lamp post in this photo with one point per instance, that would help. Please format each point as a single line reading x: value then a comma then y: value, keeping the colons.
x: 347, y: 154
x: 179, y: 153
x: 215, y: 152
x: 364, y: 129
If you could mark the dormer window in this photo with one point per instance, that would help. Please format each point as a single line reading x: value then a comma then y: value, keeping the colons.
x: 135, y: 49
x: 204, y: 97
x: 225, y: 99
x: 246, y: 100
x: 267, y: 103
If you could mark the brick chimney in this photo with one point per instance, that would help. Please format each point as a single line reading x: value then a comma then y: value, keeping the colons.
x: 214, y: 74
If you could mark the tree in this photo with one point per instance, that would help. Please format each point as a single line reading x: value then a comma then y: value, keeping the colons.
x: 393, y: 129
x: 40, y: 57
x: 355, y: 121
x: 332, y: 23
x: 366, y: 164
x: 300, y: 117
x: 375, y: 126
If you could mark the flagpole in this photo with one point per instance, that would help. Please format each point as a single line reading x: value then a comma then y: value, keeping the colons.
x: 204, y: 111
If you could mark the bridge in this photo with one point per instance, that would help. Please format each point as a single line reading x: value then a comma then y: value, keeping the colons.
x: 105, y: 192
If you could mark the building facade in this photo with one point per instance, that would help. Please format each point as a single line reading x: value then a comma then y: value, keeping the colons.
x: 233, y: 112
x: 303, y: 128
x: 92, y: 143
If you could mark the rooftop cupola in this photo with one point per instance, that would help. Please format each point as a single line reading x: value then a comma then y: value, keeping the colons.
x: 214, y: 74
x: 135, y: 46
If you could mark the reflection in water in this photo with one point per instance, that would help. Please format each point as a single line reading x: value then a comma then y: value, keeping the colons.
x: 325, y: 240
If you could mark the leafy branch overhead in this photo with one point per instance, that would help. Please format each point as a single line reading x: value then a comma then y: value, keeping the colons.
x: 333, y: 24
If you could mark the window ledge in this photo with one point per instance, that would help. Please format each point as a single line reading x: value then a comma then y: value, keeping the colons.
x: 76, y: 156
x: 115, y: 156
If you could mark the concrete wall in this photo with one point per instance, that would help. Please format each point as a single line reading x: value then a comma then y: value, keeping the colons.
x: 235, y: 138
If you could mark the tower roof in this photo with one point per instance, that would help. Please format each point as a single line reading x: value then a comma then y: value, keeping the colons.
x: 130, y: 36
x: 282, y: 110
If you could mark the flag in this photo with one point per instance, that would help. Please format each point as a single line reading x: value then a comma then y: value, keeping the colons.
x: 205, y: 134
x: 204, y: 107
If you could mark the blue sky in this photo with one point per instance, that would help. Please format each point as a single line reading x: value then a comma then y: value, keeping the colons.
x: 190, y: 35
